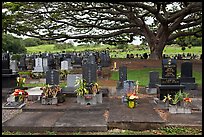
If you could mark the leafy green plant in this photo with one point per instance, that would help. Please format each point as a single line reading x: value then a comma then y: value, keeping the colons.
x: 81, y: 90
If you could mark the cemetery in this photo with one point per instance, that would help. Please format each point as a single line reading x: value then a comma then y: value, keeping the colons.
x: 85, y: 93
x: 93, y: 67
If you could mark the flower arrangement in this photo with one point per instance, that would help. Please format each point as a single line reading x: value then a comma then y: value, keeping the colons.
x: 50, y: 91
x: 85, y: 88
x: 20, y: 95
x: 179, y: 97
x: 81, y: 90
x: 20, y: 81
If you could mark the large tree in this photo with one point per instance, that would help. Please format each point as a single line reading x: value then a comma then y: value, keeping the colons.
x: 109, y: 23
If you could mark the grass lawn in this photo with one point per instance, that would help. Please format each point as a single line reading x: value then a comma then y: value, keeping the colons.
x: 143, y: 75
x: 161, y: 131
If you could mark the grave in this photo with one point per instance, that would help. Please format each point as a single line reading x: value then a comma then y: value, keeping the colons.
x: 89, y: 73
x: 22, y: 63
x: 14, y: 66
x: 186, y: 78
x: 71, y: 82
x: 153, y: 80
x: 45, y: 64
x: 169, y: 83
x: 64, y: 65
x: 52, y: 77
x: 38, y: 65
x: 8, y: 78
x: 122, y: 75
x: 122, y: 78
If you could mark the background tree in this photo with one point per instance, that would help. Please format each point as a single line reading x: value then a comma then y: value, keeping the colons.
x: 109, y: 23
x: 12, y: 44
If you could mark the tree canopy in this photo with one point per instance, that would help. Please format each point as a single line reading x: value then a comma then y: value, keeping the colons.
x: 110, y: 23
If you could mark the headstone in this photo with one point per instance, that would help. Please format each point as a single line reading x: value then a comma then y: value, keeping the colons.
x: 64, y: 65
x: 169, y: 68
x: 153, y: 80
x: 69, y: 63
x: 186, y: 78
x: 38, y: 65
x: 22, y: 63
x: 52, y: 77
x: 71, y: 82
x: 89, y: 72
x: 8, y: 78
x: 170, y: 84
x: 129, y: 86
x: 45, y: 64
x: 122, y: 73
x: 14, y: 65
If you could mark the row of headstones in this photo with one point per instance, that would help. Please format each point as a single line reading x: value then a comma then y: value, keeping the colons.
x: 43, y: 63
x: 170, y: 83
x: 165, y: 56
x: 183, y: 56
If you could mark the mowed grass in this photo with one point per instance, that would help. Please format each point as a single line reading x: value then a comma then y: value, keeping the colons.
x: 142, y: 75
x: 51, y: 48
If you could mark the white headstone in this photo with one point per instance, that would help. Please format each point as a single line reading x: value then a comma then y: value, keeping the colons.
x: 13, y: 65
x: 64, y: 65
x: 38, y: 65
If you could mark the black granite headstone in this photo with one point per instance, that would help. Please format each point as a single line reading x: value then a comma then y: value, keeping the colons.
x: 52, y: 77
x: 169, y: 83
x: 153, y: 79
x: 169, y: 68
x: 186, y: 78
x: 89, y: 72
x: 122, y: 73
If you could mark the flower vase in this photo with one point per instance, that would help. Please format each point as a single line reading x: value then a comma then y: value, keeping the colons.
x: 16, y: 98
x: 131, y: 103
x: 173, y: 109
x: 166, y: 104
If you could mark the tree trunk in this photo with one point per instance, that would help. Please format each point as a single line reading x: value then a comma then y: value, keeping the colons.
x: 156, y: 52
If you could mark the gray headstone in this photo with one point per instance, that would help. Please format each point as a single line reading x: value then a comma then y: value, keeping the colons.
x: 52, y: 77
x: 45, y: 64
x: 71, y: 79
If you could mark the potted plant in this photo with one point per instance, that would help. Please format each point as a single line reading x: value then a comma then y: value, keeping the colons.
x: 87, y: 92
x: 49, y: 94
x: 132, y: 100
x: 179, y: 103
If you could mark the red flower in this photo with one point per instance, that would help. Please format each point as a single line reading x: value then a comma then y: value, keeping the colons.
x: 187, y: 100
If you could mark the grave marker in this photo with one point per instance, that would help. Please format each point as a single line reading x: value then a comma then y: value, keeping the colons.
x: 52, y: 77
